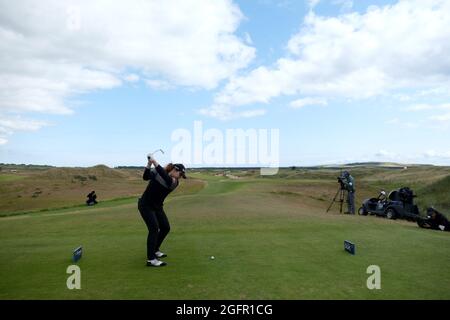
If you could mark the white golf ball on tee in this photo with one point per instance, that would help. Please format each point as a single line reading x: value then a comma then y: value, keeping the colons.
x: 212, y: 258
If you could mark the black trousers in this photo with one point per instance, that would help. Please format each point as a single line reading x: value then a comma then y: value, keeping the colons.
x: 351, y: 202
x: 158, y: 227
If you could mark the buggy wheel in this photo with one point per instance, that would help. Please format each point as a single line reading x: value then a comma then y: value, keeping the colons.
x: 390, y: 214
x: 362, y: 211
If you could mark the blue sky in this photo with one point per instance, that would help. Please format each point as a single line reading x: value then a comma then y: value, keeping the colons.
x: 91, y: 82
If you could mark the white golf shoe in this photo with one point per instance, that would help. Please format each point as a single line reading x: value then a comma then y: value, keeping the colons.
x: 160, y: 254
x: 155, y: 263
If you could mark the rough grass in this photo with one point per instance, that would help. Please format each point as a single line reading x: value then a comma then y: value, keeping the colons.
x: 437, y: 194
x: 10, y: 177
x: 55, y: 188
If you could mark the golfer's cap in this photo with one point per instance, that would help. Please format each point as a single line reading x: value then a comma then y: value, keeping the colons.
x: 180, y: 168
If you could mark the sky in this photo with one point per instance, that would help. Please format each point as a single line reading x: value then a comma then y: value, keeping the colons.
x: 330, y: 81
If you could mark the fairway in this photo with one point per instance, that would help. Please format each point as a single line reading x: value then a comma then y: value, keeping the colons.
x: 271, y: 239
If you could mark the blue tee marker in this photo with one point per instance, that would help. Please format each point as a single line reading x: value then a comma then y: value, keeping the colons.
x: 77, y: 253
x: 349, y: 247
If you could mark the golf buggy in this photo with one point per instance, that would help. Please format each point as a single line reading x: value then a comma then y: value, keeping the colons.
x: 399, y: 204
x: 434, y: 220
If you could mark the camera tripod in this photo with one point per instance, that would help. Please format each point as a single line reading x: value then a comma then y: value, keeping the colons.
x: 341, y: 193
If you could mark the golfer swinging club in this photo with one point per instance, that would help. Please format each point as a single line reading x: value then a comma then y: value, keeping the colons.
x: 162, y: 182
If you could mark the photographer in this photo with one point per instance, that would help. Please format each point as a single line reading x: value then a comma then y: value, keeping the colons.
x: 162, y: 181
x: 348, y: 184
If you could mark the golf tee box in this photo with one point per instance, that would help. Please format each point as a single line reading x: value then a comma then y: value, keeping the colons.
x: 77, y: 253
x: 349, y: 247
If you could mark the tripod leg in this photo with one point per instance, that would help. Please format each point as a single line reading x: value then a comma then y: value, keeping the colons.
x: 333, y: 201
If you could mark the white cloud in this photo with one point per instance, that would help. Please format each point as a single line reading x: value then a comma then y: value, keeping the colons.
x: 313, y: 3
x: 9, y: 125
x: 402, y: 97
x: 345, y: 4
x: 224, y: 112
x: 52, y: 51
x: 392, y: 121
x: 251, y: 113
x: 300, y: 103
x: 425, y: 106
x: 20, y: 124
x: 132, y: 77
x: 248, y: 39
x: 403, y: 123
x: 43, y: 87
x: 159, y: 84
x: 387, y: 49
x: 386, y: 154
x: 441, y: 118
x: 419, y: 107
x: 410, y: 125
x: 437, y: 154
x: 439, y: 91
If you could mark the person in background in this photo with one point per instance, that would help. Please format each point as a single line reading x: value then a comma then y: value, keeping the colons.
x: 92, y: 199
x: 349, y: 183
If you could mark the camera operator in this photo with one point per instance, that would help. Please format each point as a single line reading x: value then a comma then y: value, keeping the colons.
x: 348, y: 184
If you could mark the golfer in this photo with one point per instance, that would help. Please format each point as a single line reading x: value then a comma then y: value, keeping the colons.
x: 162, y: 181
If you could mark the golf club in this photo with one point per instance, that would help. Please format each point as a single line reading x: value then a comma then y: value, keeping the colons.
x: 150, y: 155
